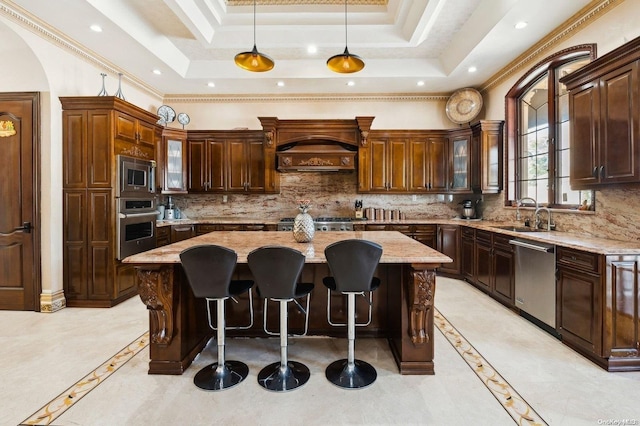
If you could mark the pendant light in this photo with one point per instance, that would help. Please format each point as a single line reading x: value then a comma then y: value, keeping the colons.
x: 254, y: 60
x: 346, y: 62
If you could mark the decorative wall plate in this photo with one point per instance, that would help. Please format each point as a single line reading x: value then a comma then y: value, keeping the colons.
x: 166, y: 113
x: 464, y: 105
x: 183, y: 118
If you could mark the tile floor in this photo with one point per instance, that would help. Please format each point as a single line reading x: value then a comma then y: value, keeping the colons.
x: 89, y: 367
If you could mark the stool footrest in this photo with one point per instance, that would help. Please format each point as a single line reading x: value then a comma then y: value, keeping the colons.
x: 278, y: 378
x: 359, y: 375
x: 215, y: 378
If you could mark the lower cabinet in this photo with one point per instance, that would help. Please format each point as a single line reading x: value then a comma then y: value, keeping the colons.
x: 182, y: 232
x: 449, y: 244
x: 426, y: 234
x: 493, y: 269
x: 467, y: 255
x: 163, y: 236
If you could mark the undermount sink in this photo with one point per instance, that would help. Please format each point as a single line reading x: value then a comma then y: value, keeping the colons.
x: 518, y: 228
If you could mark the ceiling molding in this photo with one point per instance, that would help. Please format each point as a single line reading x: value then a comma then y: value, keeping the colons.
x: 577, y: 22
x: 306, y: 98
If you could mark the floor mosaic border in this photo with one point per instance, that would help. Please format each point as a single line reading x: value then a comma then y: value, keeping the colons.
x: 55, y: 408
x: 521, y: 412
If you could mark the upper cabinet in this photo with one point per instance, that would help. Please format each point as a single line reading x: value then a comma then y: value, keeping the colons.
x: 172, y: 162
x: 486, y: 156
x: 132, y: 129
x: 230, y: 161
x: 460, y: 154
x: 605, y: 117
x: 386, y: 168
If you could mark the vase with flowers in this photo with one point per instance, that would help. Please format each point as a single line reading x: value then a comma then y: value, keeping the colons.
x: 303, y: 226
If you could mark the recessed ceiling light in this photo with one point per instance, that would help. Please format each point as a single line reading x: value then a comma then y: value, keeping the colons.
x: 97, y: 28
x: 157, y: 72
x: 520, y: 25
x: 351, y: 83
x: 281, y: 84
x: 312, y: 49
x: 421, y: 83
x: 211, y: 84
x: 472, y: 69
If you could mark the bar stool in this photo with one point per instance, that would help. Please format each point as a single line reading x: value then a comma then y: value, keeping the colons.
x: 352, y: 264
x: 276, y: 271
x: 209, y: 269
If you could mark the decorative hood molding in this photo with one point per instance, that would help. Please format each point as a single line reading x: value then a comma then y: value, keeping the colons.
x: 316, y: 145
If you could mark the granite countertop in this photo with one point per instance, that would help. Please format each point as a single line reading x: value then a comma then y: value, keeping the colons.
x: 565, y: 239
x: 397, y: 247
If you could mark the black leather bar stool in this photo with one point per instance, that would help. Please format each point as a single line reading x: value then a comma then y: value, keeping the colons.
x: 276, y: 271
x: 209, y: 269
x: 352, y: 264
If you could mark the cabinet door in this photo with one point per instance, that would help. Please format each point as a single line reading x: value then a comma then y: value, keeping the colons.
x: 579, y: 311
x: 483, y: 266
x: 584, y: 113
x: 126, y: 127
x: 467, y: 254
x: 378, y: 165
x: 619, y: 151
x: 503, y: 276
x: 622, y: 313
x: 216, y: 166
x: 174, y: 164
x: 397, y: 166
x: 197, y: 165
x: 418, y: 165
x: 461, y: 165
x: 438, y: 165
x: 146, y: 133
x: 449, y: 244
x: 237, y: 165
x: 255, y: 166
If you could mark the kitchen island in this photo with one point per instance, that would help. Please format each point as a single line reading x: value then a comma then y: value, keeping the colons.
x: 403, y: 305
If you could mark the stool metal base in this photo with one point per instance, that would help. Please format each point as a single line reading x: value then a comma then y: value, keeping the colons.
x: 213, y: 378
x: 360, y: 375
x: 276, y: 378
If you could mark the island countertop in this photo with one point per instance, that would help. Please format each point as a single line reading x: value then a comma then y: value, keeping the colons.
x: 397, y: 247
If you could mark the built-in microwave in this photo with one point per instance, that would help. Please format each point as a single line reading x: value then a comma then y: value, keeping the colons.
x: 136, y: 177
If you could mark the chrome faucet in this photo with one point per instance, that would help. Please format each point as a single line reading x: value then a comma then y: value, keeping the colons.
x: 550, y: 225
x: 519, y: 203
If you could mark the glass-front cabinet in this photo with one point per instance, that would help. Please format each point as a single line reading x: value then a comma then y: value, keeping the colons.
x: 174, y: 167
x: 460, y: 161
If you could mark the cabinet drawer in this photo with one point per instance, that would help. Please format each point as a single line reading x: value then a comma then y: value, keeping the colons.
x: 579, y: 259
x: 205, y: 229
x: 484, y: 236
x: 254, y: 227
x: 405, y: 229
x: 376, y: 227
x: 163, y: 231
x: 468, y: 233
x: 502, y: 241
x: 229, y: 227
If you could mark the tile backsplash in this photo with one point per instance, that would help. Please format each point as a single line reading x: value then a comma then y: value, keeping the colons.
x: 331, y: 194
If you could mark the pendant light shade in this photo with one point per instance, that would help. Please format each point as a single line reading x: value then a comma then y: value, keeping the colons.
x: 346, y: 62
x: 254, y: 61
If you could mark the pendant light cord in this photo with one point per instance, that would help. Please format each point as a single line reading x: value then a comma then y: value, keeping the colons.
x: 346, y: 41
x: 254, y: 22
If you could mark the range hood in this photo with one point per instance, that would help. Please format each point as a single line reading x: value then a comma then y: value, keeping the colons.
x: 325, y: 145
x: 316, y: 156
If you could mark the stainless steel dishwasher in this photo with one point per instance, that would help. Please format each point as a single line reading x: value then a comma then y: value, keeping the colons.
x: 536, y: 281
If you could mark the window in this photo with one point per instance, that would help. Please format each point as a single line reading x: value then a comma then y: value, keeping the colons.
x: 538, y: 133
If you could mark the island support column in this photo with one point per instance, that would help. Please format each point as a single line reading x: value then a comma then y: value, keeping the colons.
x: 411, y: 334
x: 178, y: 327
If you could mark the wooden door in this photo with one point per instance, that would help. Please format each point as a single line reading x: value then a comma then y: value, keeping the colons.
x: 584, y: 112
x: 449, y: 244
x: 503, y: 276
x: 237, y: 166
x: 378, y: 165
x: 19, y: 223
x: 419, y: 165
x: 397, y: 166
x: 255, y: 166
x: 438, y: 164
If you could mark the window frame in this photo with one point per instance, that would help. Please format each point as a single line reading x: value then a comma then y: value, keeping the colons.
x: 512, y: 122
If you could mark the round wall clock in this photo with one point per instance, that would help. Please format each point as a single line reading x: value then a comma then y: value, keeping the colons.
x: 464, y: 105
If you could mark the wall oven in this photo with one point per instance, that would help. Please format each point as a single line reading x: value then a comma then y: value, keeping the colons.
x: 136, y: 226
x: 136, y: 177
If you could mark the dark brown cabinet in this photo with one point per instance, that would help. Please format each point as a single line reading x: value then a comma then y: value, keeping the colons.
x: 486, y: 156
x: 494, y: 266
x: 605, y: 118
x: 460, y: 155
x: 449, y: 244
x: 428, y: 164
x: 467, y: 253
x: 426, y: 234
x: 387, y: 167
x: 229, y: 161
x: 163, y: 236
x: 171, y: 172
x: 182, y: 232
x: 94, y: 131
